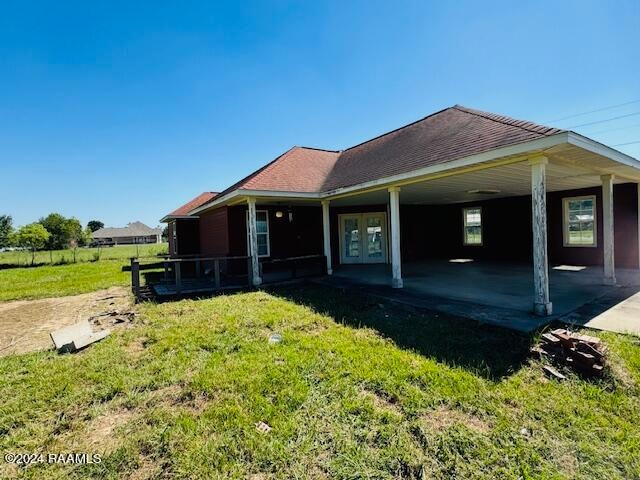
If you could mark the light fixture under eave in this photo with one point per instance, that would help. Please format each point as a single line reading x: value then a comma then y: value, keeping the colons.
x: 484, y: 191
x: 279, y: 214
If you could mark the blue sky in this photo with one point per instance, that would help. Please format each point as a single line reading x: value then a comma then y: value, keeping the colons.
x: 121, y: 111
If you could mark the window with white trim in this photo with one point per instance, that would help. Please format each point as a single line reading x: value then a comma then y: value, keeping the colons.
x: 580, y: 221
x: 472, y: 219
x: 262, y: 232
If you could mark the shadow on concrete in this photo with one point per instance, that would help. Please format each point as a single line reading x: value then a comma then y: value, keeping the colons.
x: 489, y: 351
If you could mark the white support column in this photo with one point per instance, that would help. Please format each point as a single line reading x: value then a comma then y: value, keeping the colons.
x: 253, y: 242
x: 541, y: 304
x: 607, y: 227
x: 326, y: 233
x: 396, y: 261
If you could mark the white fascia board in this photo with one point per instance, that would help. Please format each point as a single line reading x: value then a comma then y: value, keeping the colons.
x: 601, y: 149
x: 538, y: 145
x: 257, y: 193
x: 168, y: 218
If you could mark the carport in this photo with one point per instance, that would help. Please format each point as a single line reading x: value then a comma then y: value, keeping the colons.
x: 523, y: 256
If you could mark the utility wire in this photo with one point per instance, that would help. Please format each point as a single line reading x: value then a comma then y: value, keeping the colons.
x: 609, y: 107
x: 635, y: 125
x: 628, y: 143
x: 605, y: 120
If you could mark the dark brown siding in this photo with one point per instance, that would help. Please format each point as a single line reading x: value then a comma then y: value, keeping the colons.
x: 625, y: 214
x: 436, y: 231
x: 188, y: 236
x: 301, y: 236
x: 214, y: 232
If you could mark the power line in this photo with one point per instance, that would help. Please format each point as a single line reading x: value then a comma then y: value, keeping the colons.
x: 605, y: 120
x: 628, y: 143
x: 635, y: 125
x: 609, y: 107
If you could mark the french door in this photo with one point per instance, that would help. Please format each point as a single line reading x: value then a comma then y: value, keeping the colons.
x: 363, y: 237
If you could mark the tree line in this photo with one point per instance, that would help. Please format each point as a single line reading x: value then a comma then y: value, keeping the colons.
x: 53, y: 232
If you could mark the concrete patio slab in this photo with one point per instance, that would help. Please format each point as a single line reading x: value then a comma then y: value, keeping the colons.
x: 497, y: 293
x: 618, y: 311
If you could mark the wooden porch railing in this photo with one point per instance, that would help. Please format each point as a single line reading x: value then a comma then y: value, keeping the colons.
x: 173, y: 277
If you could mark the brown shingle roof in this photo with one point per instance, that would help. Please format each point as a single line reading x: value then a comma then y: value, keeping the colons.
x: 441, y: 137
x: 201, y: 199
x: 448, y: 135
x: 300, y: 169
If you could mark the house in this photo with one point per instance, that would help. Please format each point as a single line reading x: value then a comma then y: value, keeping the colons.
x: 133, y: 233
x: 460, y: 201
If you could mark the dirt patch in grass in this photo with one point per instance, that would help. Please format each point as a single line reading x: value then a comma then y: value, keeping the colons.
x: 147, y: 468
x: 137, y: 346
x: 100, y: 432
x: 382, y: 402
x: 619, y: 372
x: 443, y: 418
x: 26, y: 324
x: 174, y: 396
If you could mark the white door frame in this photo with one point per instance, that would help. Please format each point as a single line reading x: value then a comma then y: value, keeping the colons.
x: 362, y: 217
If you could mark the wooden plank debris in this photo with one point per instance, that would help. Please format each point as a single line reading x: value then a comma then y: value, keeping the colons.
x: 562, y: 347
x: 552, y: 372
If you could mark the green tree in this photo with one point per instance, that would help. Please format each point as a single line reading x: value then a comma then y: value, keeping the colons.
x: 64, y: 232
x: 87, y: 237
x: 95, y: 225
x: 6, y: 227
x: 32, y: 237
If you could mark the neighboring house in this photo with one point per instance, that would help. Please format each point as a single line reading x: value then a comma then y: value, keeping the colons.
x: 457, y: 184
x: 133, y: 233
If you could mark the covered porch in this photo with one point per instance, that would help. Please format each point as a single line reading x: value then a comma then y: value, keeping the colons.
x: 541, y: 232
x: 498, y: 293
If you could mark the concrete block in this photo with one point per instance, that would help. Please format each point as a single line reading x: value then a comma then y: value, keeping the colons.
x: 76, y: 336
x: 86, y: 340
x: 63, y: 337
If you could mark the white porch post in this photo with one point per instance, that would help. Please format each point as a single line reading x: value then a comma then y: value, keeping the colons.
x: 607, y: 227
x: 541, y: 304
x: 253, y: 242
x: 326, y: 232
x: 394, y: 210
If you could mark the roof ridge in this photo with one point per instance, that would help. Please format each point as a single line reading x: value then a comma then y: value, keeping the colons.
x: 318, y: 149
x: 273, y: 163
x: 396, y: 129
x: 514, y: 122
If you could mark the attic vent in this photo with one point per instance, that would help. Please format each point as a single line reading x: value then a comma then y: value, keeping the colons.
x: 487, y: 191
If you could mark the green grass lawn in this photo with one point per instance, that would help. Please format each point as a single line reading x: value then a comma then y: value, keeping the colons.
x: 121, y: 252
x: 61, y: 280
x: 356, y: 390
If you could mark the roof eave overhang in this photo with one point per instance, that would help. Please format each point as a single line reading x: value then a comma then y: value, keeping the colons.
x: 517, y: 152
x: 514, y: 153
x: 600, y: 149
x: 168, y: 218
x: 238, y: 195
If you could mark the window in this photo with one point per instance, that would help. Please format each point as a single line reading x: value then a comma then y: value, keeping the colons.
x: 580, y: 221
x: 472, y: 225
x: 262, y: 230
x: 174, y: 234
